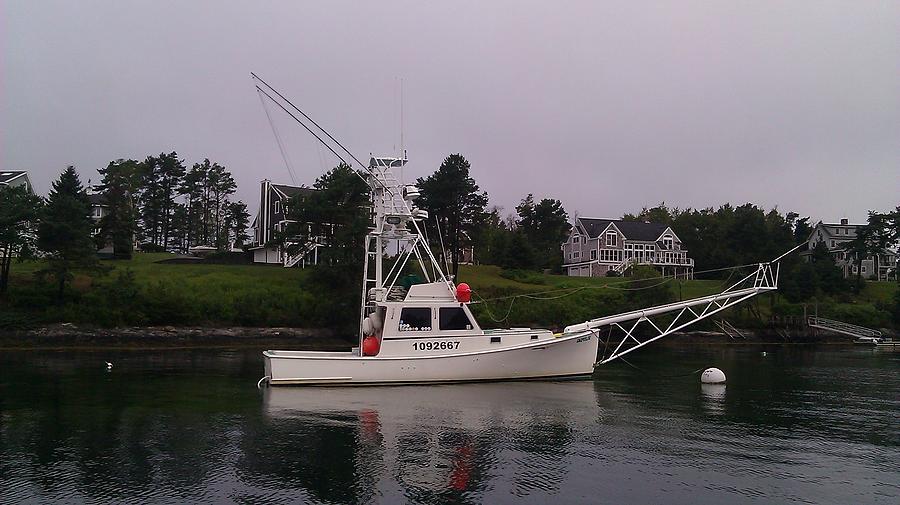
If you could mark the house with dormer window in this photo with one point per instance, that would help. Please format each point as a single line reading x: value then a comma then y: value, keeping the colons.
x: 834, y: 236
x: 600, y: 247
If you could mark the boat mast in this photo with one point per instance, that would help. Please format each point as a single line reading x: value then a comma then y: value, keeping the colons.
x: 395, y: 221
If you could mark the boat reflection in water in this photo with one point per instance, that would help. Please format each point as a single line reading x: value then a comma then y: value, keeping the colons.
x: 425, y: 444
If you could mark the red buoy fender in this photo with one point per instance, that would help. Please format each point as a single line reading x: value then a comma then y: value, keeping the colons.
x: 371, y: 345
x: 463, y: 293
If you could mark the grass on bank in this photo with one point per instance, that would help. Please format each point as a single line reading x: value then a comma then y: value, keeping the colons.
x: 144, y: 291
x: 604, y: 296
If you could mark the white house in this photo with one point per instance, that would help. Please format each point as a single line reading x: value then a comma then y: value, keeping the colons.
x: 834, y: 235
x: 15, y: 178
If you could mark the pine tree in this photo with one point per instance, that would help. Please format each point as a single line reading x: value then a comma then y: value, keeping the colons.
x: 64, y: 232
x: 546, y: 225
x: 236, y: 221
x: 19, y: 210
x: 120, y: 184
x: 192, y: 187
x: 221, y: 185
x: 336, y: 215
x: 452, y: 196
x: 206, y: 187
x: 882, y: 238
x: 858, y: 248
x: 161, y: 180
x: 180, y: 228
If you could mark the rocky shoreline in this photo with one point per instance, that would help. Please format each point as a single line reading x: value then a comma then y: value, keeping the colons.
x: 68, y: 336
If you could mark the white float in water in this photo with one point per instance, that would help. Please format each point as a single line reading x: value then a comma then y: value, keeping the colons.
x: 712, y: 376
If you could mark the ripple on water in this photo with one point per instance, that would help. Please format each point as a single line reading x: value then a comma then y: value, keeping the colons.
x: 190, y: 427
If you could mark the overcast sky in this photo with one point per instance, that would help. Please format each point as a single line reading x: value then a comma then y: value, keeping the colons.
x: 608, y: 106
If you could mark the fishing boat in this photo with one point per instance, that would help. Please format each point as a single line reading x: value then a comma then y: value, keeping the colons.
x: 427, y: 333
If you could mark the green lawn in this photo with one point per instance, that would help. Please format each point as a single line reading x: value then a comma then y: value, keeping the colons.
x: 168, y: 294
x: 489, y: 277
x: 604, y: 297
x: 257, y: 295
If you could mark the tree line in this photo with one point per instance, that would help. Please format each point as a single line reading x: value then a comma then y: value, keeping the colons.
x: 165, y: 206
x: 58, y: 228
x: 530, y: 238
x: 156, y: 203
x: 459, y: 218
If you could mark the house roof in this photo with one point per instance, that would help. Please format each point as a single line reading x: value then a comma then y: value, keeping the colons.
x: 842, y: 225
x: 633, y: 230
x: 98, y: 199
x: 292, y: 191
x: 6, y: 176
x: 830, y: 229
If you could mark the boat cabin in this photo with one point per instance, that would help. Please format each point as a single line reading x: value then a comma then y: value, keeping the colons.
x: 428, y: 319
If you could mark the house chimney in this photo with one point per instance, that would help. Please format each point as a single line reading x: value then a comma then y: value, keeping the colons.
x: 845, y: 221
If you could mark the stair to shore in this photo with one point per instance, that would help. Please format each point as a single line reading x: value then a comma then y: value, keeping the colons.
x: 841, y: 327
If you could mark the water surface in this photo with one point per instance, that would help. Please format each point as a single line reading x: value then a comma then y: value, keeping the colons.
x: 798, y: 425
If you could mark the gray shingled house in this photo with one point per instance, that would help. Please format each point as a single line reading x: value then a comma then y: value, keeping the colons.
x: 596, y: 247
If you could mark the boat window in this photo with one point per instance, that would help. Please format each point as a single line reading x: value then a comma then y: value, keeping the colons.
x: 454, y: 318
x: 415, y: 319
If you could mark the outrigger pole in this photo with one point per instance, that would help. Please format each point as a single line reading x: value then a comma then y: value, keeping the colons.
x: 373, y: 178
x: 391, y: 206
x: 764, y: 279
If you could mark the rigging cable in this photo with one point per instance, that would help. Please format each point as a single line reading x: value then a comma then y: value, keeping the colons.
x: 363, y: 167
x: 437, y: 225
x: 661, y: 376
x: 287, y: 162
x: 302, y: 124
x: 311, y: 120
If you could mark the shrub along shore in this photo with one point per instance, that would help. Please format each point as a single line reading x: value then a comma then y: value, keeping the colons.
x: 146, y: 301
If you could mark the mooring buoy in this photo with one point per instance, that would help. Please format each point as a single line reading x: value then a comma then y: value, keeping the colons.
x: 712, y: 376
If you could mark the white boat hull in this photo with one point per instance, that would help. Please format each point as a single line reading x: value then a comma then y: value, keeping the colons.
x: 557, y: 357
